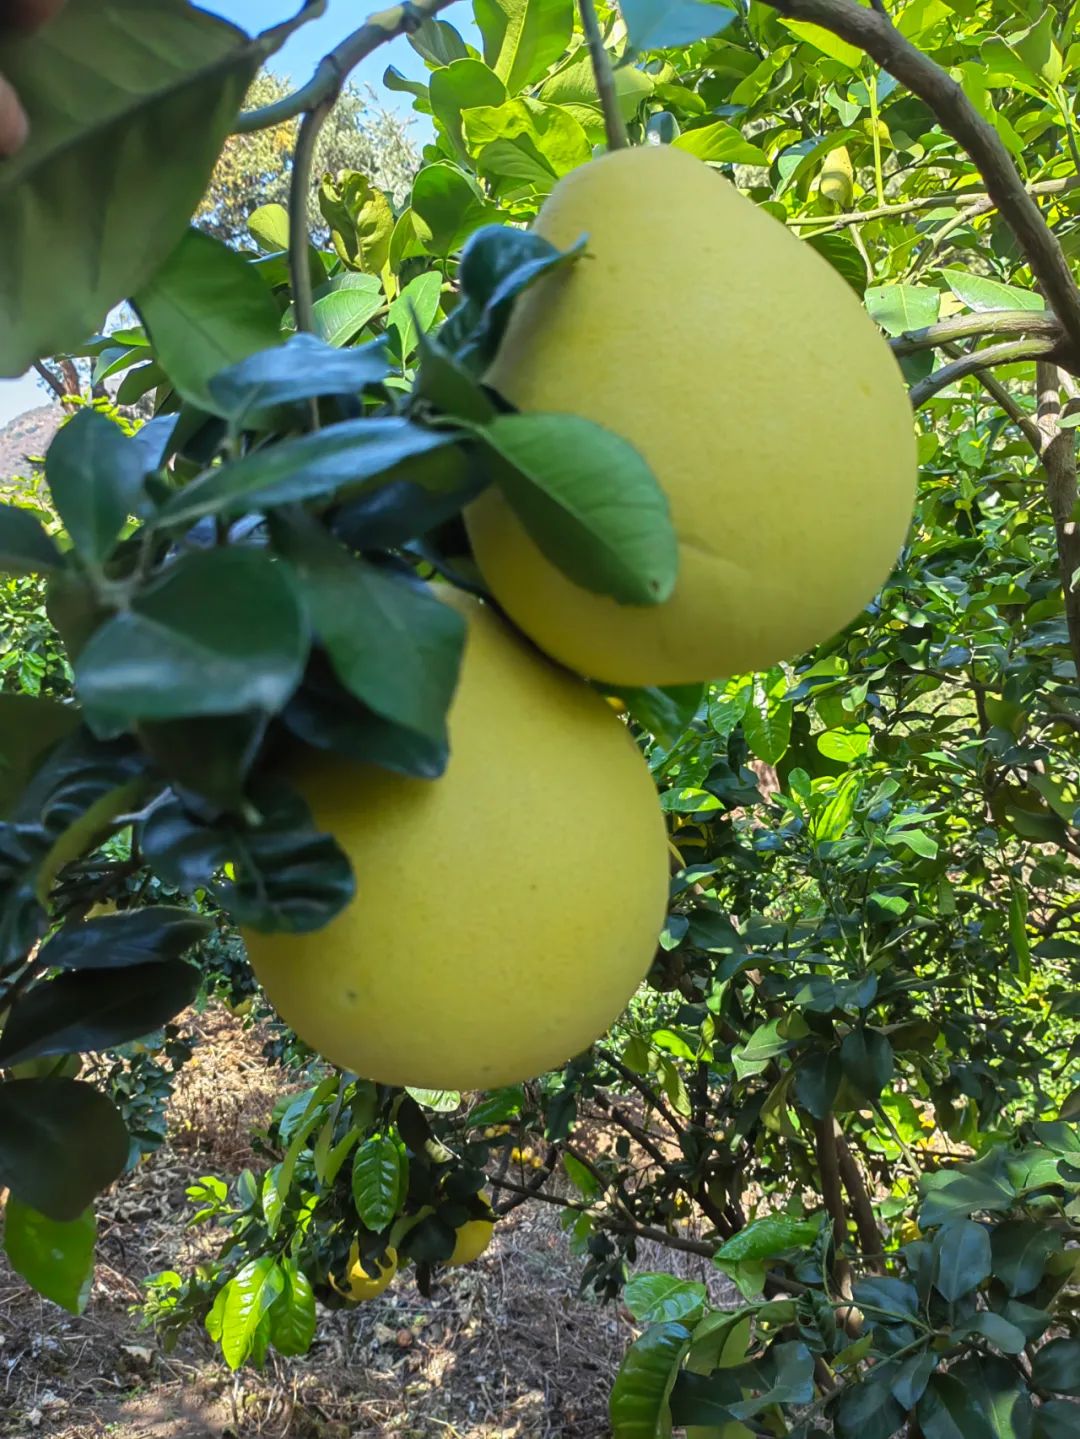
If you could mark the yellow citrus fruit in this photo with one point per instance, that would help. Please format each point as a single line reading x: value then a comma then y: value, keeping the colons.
x: 747, y: 373
x: 493, y: 935
x: 366, y: 1279
x: 837, y: 179
x: 471, y: 1240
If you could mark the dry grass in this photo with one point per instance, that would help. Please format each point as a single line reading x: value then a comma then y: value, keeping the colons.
x: 503, y: 1350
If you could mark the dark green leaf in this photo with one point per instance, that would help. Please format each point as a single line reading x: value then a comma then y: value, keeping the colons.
x: 380, y: 1180
x: 911, y: 1378
x: 292, y: 1314
x: 95, y: 476
x: 669, y: 24
x: 205, y: 309
x: 95, y: 1009
x: 1001, y: 1334
x: 817, y: 1082
x: 768, y: 1238
x: 55, y: 1256
x: 391, y: 640
x: 589, y: 501
x: 999, y: 1392
x: 1056, y: 1367
x: 965, y: 1191
x: 639, y: 1398
x: 665, y: 713
x: 118, y: 940
x: 1020, y: 1249
x: 867, y: 1408
x: 25, y: 547
x: 304, y: 367
x: 702, y: 1403
x: 61, y: 1142
x: 962, y: 1258
x: 220, y: 632
x: 158, y: 92
x: 1057, y: 1419
x: 947, y: 1411
x: 340, y: 455
x: 887, y: 1300
x: 29, y: 726
x: 866, y: 1058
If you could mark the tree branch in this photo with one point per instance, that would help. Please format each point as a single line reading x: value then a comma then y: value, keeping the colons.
x: 1059, y: 466
x: 614, y: 129
x: 975, y: 360
x: 967, y: 327
x: 875, y: 33
x: 981, y: 204
x: 862, y: 1210
x: 1000, y: 395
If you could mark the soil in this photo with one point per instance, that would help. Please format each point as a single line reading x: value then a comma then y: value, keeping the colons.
x: 505, y: 1349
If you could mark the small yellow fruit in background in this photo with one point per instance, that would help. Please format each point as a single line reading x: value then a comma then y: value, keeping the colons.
x: 494, y: 933
x: 366, y: 1279
x: 749, y: 376
x: 837, y: 179
x: 471, y: 1240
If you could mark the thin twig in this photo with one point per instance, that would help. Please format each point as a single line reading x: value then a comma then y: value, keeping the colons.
x: 975, y: 360
x: 1059, y: 465
x: 299, y: 187
x: 981, y: 203
x: 1007, y: 402
x: 615, y: 130
x: 875, y: 33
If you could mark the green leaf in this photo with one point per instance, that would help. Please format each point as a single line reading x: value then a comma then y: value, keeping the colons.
x: 158, y: 93
x: 206, y: 308
x: 911, y: 1379
x: 523, y: 38
x: 248, y: 1296
x: 56, y: 1257
x: 994, y: 1327
x: 845, y: 745
x: 438, y: 42
x: 589, y: 501
x: 439, y: 1101
x: 1018, y: 936
x: 94, y: 1009
x: 346, y: 454
x: 980, y: 1398
x: 965, y: 1191
x: 868, y: 1409
x: 1056, y: 1366
x: 767, y: 727
x: 665, y: 712
x: 524, y: 142
x: 380, y: 1180
x: 61, y: 1142
x: 459, y: 86
x: 301, y: 369
x: 866, y: 1058
x: 220, y: 632
x: 1020, y: 1249
x: 657, y: 1298
x: 117, y: 941
x: 979, y: 292
x: 413, y: 313
x: 768, y: 1238
x: 900, y: 308
x: 961, y: 1257
x: 583, y: 1180
x: 766, y: 1042
x: 95, y: 477
x: 269, y: 227
x: 1057, y: 1419
x: 292, y: 1314
x: 671, y: 24
x: 638, y: 1406
x: 447, y: 206
x: 720, y: 144
x: 29, y: 727
x: 391, y: 640
x: 349, y: 302
x: 25, y: 547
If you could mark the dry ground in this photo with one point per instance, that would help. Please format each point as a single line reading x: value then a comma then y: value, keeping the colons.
x: 504, y: 1350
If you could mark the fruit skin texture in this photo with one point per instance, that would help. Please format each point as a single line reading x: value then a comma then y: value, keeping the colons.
x: 366, y: 1283
x: 471, y: 1240
x: 749, y: 376
x: 837, y: 181
x: 505, y: 912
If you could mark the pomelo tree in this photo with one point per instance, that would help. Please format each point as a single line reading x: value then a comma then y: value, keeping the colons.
x: 854, y: 1061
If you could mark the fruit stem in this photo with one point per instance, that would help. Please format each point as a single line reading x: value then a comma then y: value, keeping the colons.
x: 617, y: 138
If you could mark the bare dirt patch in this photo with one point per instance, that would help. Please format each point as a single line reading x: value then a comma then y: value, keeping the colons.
x: 504, y: 1349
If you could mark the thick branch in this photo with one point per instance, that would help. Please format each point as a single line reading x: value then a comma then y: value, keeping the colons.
x: 967, y: 327
x: 875, y: 33
x: 862, y: 1210
x: 974, y: 361
x: 828, y: 1162
x: 1059, y: 466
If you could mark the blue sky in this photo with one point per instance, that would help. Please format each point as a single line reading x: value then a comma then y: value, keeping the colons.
x: 296, y: 60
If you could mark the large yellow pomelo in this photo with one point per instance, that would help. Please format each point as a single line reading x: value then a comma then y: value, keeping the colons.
x: 747, y: 373
x: 366, y: 1279
x: 505, y: 912
x: 471, y: 1240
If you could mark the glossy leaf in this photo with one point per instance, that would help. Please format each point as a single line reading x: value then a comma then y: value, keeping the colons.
x: 158, y: 94
x: 657, y: 1298
x: 962, y: 1258
x: 380, y: 1178
x: 95, y: 477
x: 249, y: 1295
x: 55, y: 1257
x: 523, y: 37
x: 134, y: 936
x: 292, y: 1314
x: 25, y: 546
x: 589, y: 501
x: 60, y: 1143
x: 660, y: 24
x: 29, y: 727
x: 1056, y: 1366
x: 639, y: 1398
x: 220, y: 632
x: 300, y: 369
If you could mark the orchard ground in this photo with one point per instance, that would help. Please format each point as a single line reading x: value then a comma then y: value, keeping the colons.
x: 505, y: 1349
